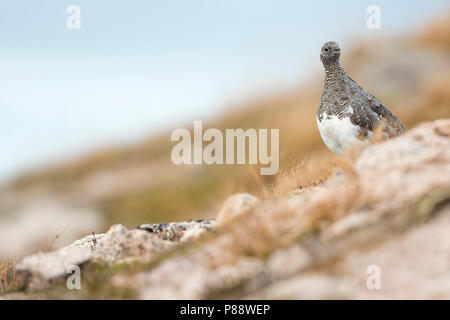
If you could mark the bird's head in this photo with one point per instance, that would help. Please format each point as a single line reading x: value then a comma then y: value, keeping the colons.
x: 330, y: 53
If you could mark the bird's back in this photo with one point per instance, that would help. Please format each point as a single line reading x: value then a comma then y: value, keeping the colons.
x: 370, y: 113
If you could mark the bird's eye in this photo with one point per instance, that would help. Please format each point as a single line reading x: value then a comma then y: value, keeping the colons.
x: 326, y: 49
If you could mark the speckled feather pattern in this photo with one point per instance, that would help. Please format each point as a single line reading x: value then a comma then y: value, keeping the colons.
x: 343, y: 98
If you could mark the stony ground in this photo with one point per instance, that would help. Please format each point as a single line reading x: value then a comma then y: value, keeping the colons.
x: 385, y: 214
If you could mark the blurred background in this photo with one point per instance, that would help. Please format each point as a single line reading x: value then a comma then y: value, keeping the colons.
x: 87, y: 114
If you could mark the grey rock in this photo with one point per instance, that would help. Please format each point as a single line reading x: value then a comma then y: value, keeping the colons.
x: 39, y: 270
x: 122, y: 245
x: 235, y: 206
x: 174, y: 231
x: 118, y: 245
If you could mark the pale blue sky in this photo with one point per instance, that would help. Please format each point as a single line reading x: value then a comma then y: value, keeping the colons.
x: 136, y: 67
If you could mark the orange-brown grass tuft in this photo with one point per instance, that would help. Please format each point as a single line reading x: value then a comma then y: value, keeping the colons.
x: 8, y: 276
x: 312, y: 171
x: 305, y: 174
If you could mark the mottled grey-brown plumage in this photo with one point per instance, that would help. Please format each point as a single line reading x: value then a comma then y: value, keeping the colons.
x: 341, y: 92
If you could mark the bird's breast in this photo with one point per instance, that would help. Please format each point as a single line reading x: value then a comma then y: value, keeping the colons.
x: 338, y: 133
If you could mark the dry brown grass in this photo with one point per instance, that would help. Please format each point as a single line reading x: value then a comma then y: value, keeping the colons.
x: 436, y: 34
x: 8, y: 276
x: 436, y: 93
x: 309, y: 172
x: 48, y: 243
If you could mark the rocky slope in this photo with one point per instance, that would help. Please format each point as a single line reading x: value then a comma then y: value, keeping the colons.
x: 137, y: 183
x: 386, y: 209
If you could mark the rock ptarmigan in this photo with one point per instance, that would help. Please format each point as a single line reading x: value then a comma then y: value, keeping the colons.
x: 347, y: 113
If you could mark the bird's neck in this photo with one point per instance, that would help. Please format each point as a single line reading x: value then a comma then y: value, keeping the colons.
x: 333, y: 72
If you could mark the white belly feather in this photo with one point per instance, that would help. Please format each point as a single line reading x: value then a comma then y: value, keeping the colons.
x: 338, y: 134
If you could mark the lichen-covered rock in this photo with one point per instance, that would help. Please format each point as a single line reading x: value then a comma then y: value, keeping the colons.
x: 122, y: 245
x: 89, y: 241
x: 118, y: 245
x: 412, y: 265
x: 192, y: 234
x: 39, y: 270
x: 192, y: 280
x: 174, y: 231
